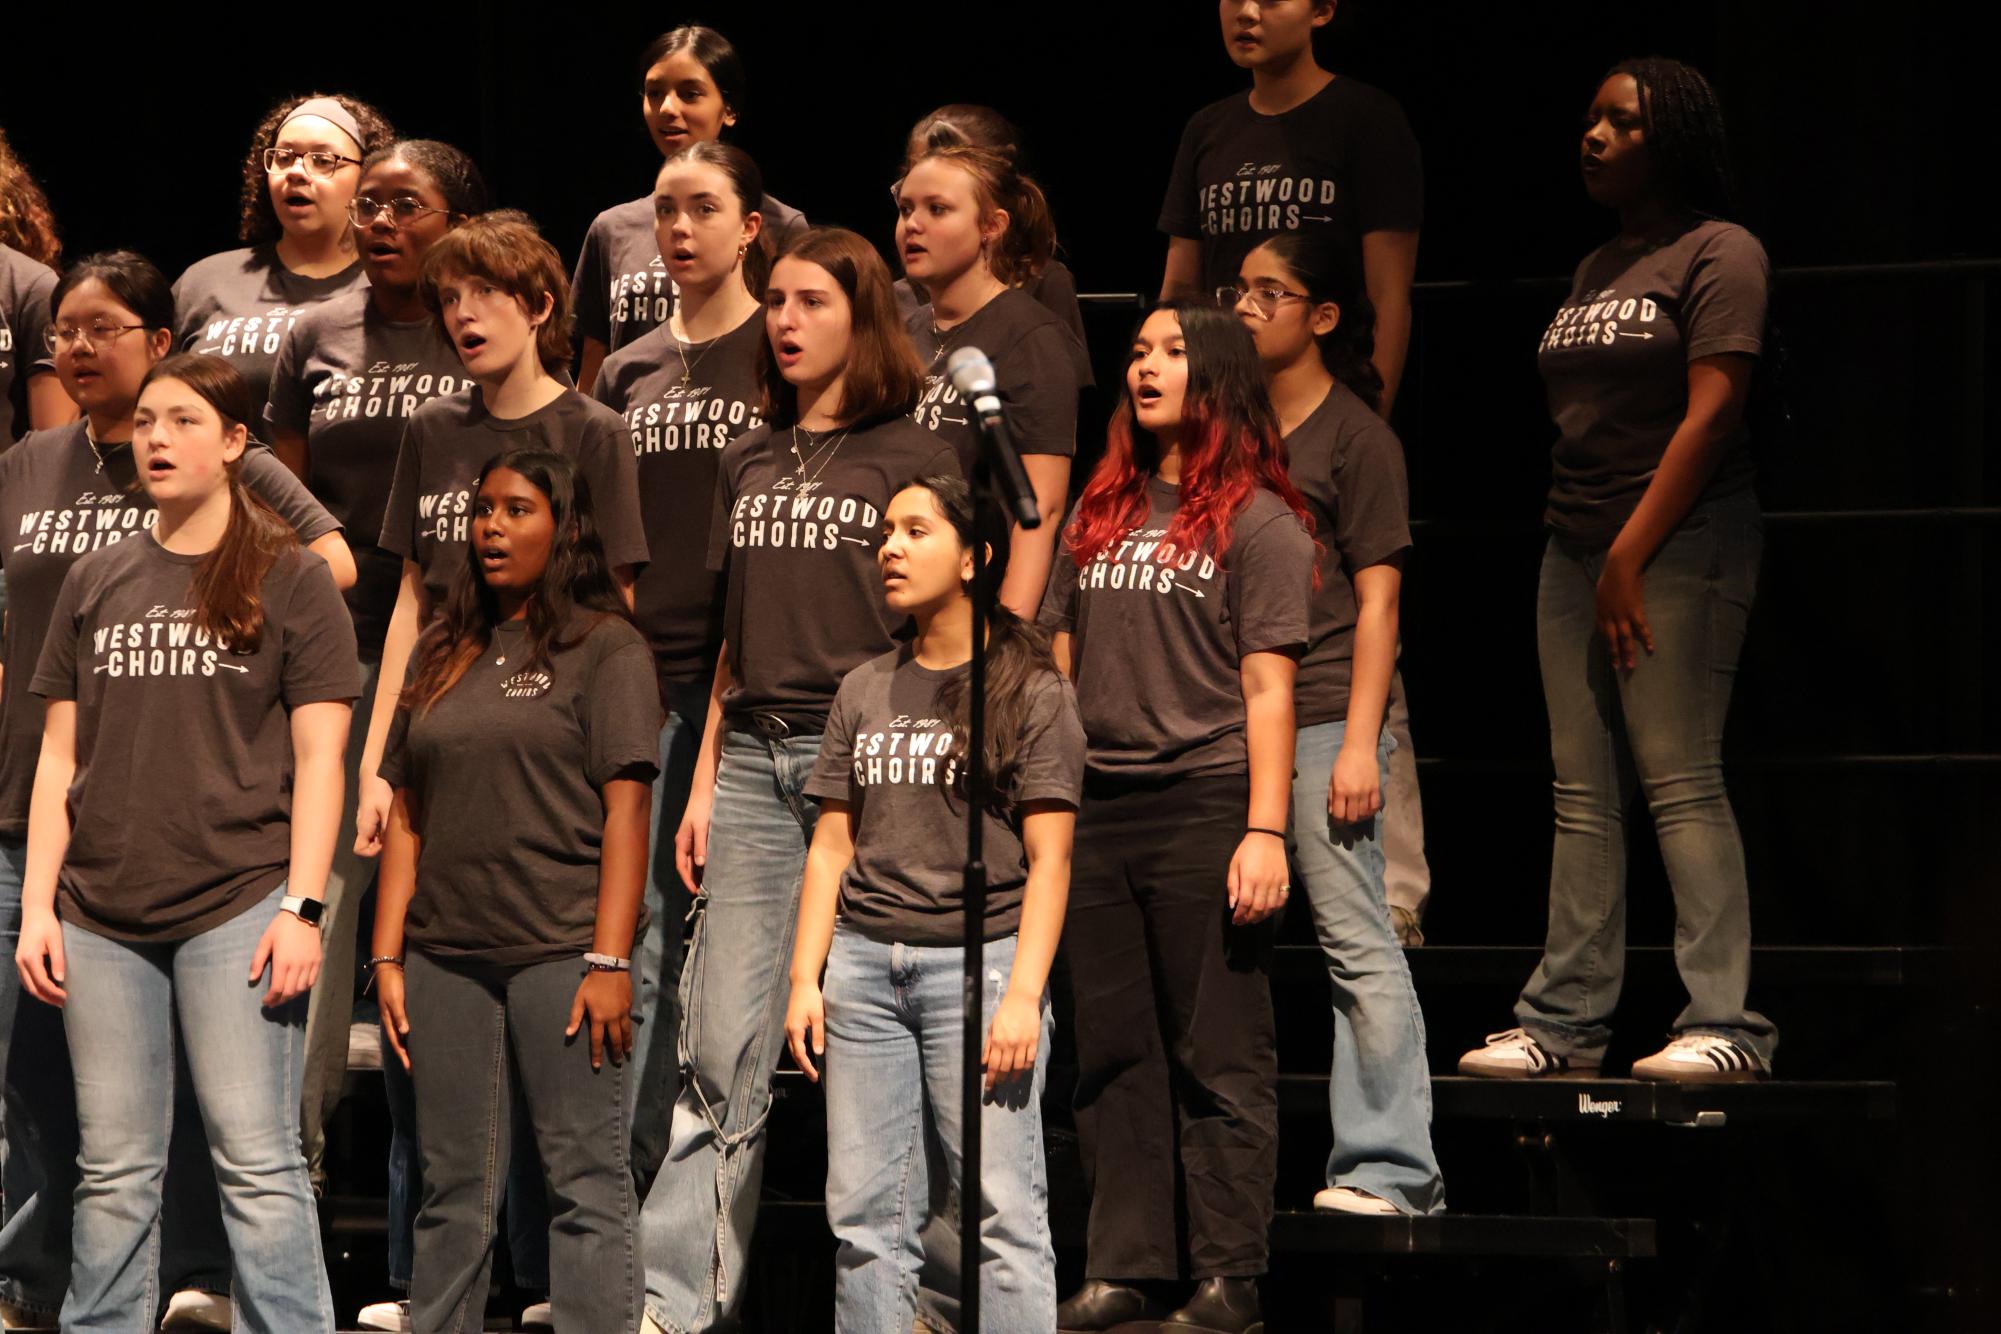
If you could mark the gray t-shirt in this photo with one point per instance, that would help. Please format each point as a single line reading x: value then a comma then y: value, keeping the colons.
x: 506, y: 771
x: 1035, y: 370
x: 803, y: 602
x: 57, y: 504
x: 238, y: 305
x: 448, y: 440
x: 1343, y: 163
x: 182, y: 818
x: 1055, y: 288
x: 621, y: 288
x: 348, y: 380
x: 1615, y: 363
x: 1348, y: 464
x: 25, y: 287
x: 889, y: 753
x: 682, y: 411
x: 1158, y: 636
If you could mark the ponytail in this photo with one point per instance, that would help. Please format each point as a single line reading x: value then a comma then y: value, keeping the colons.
x: 1029, y: 243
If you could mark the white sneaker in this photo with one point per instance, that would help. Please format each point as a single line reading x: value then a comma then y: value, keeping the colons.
x: 385, y: 1315
x: 1348, y: 1200
x: 191, y: 1308
x: 1701, y: 1058
x: 1516, y: 1055
x: 538, y: 1316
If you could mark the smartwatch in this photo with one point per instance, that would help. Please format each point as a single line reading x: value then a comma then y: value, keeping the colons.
x: 305, y: 909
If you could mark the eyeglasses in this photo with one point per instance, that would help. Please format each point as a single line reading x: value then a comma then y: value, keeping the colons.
x: 317, y: 164
x: 1263, y: 299
x: 97, y: 335
x: 402, y: 210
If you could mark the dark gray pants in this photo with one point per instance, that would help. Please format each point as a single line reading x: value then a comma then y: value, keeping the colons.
x: 473, y: 1035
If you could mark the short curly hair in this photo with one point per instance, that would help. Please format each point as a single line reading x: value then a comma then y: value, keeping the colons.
x: 257, y: 220
x: 25, y: 220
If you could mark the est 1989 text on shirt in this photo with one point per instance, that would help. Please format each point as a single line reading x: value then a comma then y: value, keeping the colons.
x: 683, y: 405
x: 803, y: 595
x: 58, y: 503
x: 895, y: 759
x: 1158, y: 636
x: 348, y: 380
x: 181, y: 804
x: 238, y: 305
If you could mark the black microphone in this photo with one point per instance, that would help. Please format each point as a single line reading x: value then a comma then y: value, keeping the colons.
x: 973, y: 376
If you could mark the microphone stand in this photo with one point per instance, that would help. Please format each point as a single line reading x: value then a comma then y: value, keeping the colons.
x: 1021, y: 502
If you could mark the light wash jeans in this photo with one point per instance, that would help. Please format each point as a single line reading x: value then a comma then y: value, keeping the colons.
x: 1406, y: 873
x: 895, y: 1035
x: 655, y: 1073
x: 330, y: 1013
x: 1657, y: 729
x: 1379, y: 1092
x: 696, y: 1228
x: 246, y: 1062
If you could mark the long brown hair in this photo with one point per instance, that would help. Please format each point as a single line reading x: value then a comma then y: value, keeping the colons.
x: 577, y: 578
x: 884, y: 376
x: 229, y: 581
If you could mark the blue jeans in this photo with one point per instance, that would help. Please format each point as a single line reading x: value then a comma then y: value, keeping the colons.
x: 38, y: 1148
x: 895, y: 1036
x: 1379, y: 1093
x: 696, y: 1227
x: 1657, y: 729
x: 655, y: 1076
x: 246, y: 1062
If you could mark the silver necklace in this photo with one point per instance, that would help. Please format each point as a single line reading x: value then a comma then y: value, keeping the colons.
x: 825, y: 453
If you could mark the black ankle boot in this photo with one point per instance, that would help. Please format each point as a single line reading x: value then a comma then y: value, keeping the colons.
x: 1219, y: 1306
x: 1100, y: 1305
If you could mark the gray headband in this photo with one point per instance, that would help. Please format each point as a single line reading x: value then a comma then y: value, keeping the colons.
x: 328, y: 110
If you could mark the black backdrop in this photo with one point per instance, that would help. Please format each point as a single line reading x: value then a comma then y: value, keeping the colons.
x: 1860, y: 139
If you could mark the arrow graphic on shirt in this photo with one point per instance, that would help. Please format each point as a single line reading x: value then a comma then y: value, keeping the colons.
x: 229, y: 667
x: 24, y: 546
x: 1623, y: 334
x: 858, y: 541
x: 1314, y: 217
x: 956, y: 421
x: 1190, y: 588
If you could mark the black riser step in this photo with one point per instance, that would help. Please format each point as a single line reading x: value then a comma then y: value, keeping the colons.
x: 1293, y: 1231
x: 1772, y: 966
x: 1460, y: 1098
x: 1310, y: 1232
